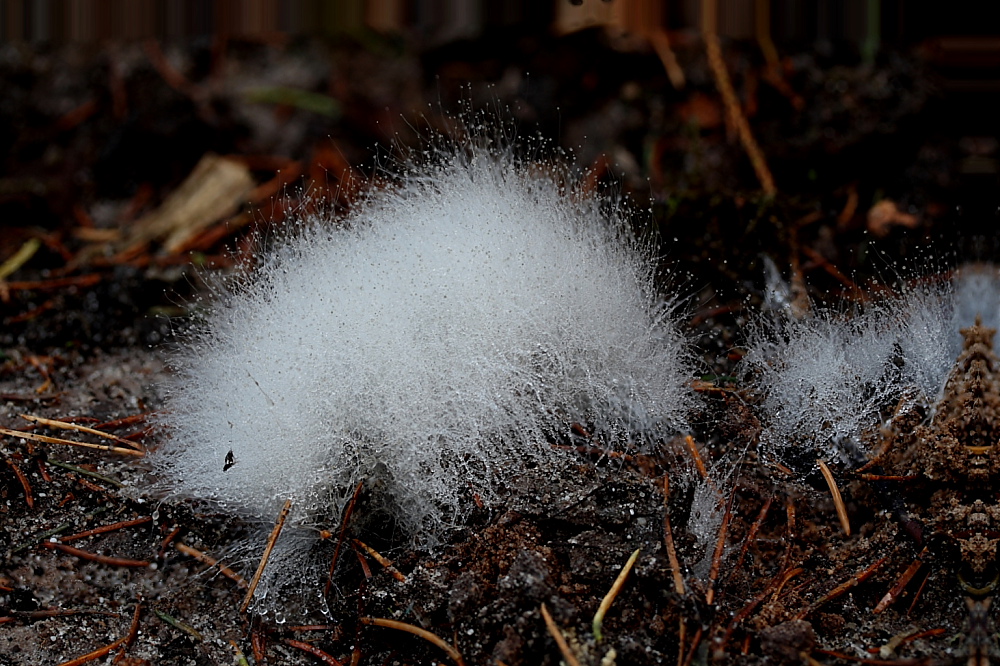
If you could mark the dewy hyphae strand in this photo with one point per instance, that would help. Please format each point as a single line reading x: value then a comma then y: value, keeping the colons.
x: 425, y: 345
x: 826, y: 380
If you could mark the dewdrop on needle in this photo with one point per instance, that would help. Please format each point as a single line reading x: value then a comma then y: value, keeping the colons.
x: 427, y: 345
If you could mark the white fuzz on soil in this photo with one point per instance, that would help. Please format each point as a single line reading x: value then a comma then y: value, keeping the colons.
x: 428, y: 345
x: 828, y: 380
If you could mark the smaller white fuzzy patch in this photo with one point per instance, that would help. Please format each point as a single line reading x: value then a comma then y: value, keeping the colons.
x: 827, y: 379
x: 428, y: 345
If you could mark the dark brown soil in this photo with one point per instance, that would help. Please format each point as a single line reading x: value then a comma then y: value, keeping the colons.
x: 93, y: 350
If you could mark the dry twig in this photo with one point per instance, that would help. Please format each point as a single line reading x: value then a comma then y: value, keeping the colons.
x: 68, y: 442
x: 107, y: 528
x: 65, y: 425
x: 94, y: 557
x: 212, y: 562
x: 455, y: 655
x: 560, y: 640
x: 314, y: 651
x: 838, y: 501
x: 386, y: 564
x: 271, y: 540
x: 734, y: 111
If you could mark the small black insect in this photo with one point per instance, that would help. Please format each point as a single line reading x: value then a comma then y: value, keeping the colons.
x: 230, y: 461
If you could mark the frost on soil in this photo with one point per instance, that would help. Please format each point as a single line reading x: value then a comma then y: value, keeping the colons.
x: 827, y: 379
x: 428, y: 345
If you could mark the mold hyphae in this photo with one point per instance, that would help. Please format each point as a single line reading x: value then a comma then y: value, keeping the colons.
x: 828, y: 380
x: 427, y: 345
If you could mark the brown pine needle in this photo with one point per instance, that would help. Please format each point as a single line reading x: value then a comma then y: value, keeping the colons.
x: 752, y: 534
x: 96, y: 654
x: 386, y: 564
x: 271, y: 540
x: 720, y: 545
x: 65, y: 425
x: 422, y: 633
x: 737, y: 118
x: 94, y: 557
x: 609, y: 598
x: 107, y: 528
x: 22, y: 477
x: 133, y: 632
x: 661, y: 44
x: 560, y: 640
x: 838, y: 501
x: 55, y: 440
x: 668, y: 536
x: 903, y: 581
x: 698, y: 462
x: 212, y: 562
x: 314, y: 651
x: 842, y: 588
x: 340, y: 539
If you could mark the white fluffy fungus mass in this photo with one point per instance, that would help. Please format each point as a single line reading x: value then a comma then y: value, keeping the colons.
x: 428, y: 344
x: 828, y: 381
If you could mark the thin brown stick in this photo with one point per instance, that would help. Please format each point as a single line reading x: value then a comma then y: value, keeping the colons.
x: 212, y: 562
x: 785, y: 577
x: 364, y: 564
x: 835, y: 272
x: 271, y: 540
x: 609, y: 598
x: 842, y: 588
x: 668, y: 536
x: 57, y: 283
x: 96, y: 654
x: 838, y: 501
x: 23, y: 478
x: 94, y: 557
x: 124, y: 421
x: 107, y: 528
x: 56, y: 612
x: 258, y: 643
x: 732, y: 103
x: 903, y: 581
x: 660, y: 42
x: 681, y: 635
x: 313, y: 650
x: 450, y: 650
x: 752, y: 534
x: 340, y: 539
x: 698, y: 462
x: 386, y: 564
x: 558, y: 637
x: 55, y: 440
x: 315, y: 627
x: 790, y: 533
x: 720, y: 544
x: 65, y: 425
x: 166, y: 542
x: 916, y: 597
x: 695, y: 642
x: 776, y: 583
x: 133, y: 631
x: 891, y: 477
